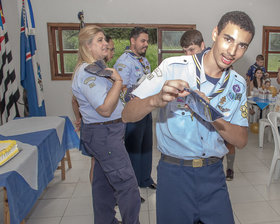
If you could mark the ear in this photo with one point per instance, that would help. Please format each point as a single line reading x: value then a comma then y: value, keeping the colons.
x: 88, y: 45
x: 132, y: 41
x: 215, y: 34
x: 202, y: 46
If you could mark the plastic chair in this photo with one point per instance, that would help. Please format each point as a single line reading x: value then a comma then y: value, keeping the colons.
x: 273, y: 117
x: 263, y: 123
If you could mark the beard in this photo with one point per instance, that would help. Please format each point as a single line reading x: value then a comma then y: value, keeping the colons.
x: 142, y: 51
x: 143, y: 54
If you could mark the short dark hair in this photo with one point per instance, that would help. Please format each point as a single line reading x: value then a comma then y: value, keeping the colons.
x: 136, y: 31
x: 258, y: 69
x: 260, y: 57
x: 108, y: 38
x: 191, y: 37
x: 238, y: 18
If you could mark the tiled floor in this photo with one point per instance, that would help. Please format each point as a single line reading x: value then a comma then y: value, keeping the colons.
x: 69, y: 201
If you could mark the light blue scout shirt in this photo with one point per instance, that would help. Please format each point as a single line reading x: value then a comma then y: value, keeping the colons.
x: 179, y: 134
x: 130, y: 68
x: 91, y: 91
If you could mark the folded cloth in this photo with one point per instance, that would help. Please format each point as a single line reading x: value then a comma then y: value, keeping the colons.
x: 200, y: 107
x: 98, y: 68
x: 126, y: 94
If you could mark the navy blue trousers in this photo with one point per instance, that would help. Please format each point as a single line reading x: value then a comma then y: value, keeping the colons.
x: 192, y: 195
x: 113, y: 179
x: 139, y: 145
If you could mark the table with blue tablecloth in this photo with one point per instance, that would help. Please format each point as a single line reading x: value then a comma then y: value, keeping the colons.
x: 261, y: 103
x: 43, y: 142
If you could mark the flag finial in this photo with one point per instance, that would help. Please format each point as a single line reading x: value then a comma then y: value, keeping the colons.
x: 81, y: 18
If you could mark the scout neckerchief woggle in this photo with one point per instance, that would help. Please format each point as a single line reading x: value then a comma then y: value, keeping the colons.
x: 197, y: 58
x: 140, y: 59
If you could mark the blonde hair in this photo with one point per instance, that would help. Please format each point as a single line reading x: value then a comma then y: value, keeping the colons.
x: 86, y: 36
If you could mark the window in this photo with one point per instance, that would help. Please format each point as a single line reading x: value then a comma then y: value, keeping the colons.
x: 63, y: 44
x: 271, y: 49
x: 63, y: 48
x: 169, y: 42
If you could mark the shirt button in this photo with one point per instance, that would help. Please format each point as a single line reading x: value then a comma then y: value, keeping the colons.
x: 201, y: 138
x: 203, y: 154
x: 183, y: 113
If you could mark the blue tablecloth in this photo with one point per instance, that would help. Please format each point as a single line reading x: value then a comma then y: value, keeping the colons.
x: 51, y: 150
x: 262, y: 103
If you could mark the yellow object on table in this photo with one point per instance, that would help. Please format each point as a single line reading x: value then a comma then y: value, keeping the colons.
x: 8, y: 149
x: 273, y: 90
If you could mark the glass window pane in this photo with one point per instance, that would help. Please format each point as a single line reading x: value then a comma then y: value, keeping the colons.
x: 274, y: 42
x: 171, y: 40
x: 70, y: 61
x: 152, y: 55
x: 273, y: 62
x: 58, y: 63
x: 168, y: 55
x: 70, y: 39
x: 56, y: 40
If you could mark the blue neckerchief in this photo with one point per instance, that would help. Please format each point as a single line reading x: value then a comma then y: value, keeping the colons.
x: 197, y: 60
x: 140, y: 59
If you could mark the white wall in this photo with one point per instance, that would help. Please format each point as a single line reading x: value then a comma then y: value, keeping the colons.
x: 205, y: 14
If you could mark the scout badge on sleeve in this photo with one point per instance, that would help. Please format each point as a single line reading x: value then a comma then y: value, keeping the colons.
x: 98, y: 68
x: 200, y: 107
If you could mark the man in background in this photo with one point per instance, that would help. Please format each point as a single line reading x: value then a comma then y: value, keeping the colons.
x: 192, y: 42
x: 132, y: 65
x: 252, y: 69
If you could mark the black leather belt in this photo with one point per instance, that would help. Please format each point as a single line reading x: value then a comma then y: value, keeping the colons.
x: 193, y: 163
x: 108, y: 122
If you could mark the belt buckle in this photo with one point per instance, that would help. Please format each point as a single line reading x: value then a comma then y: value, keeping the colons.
x: 197, y: 162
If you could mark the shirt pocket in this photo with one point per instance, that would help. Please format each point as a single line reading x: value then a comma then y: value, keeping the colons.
x: 177, y: 107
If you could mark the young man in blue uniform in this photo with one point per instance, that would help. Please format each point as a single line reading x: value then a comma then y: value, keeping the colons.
x: 132, y: 65
x: 192, y: 148
x: 192, y: 43
x: 259, y: 63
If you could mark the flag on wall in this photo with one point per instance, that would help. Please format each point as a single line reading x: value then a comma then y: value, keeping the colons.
x: 30, y: 73
x: 9, y: 92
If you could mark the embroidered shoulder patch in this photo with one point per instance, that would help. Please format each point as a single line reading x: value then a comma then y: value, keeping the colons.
x: 90, y: 81
x: 244, y: 110
x: 121, y: 65
x: 150, y: 76
x: 157, y: 71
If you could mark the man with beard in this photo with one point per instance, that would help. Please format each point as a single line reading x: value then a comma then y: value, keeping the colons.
x: 192, y: 148
x: 132, y: 65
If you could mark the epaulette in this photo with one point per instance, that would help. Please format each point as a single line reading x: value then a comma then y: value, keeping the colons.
x: 98, y: 68
x: 179, y: 60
